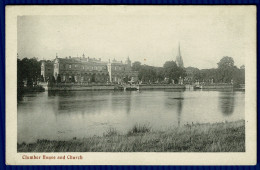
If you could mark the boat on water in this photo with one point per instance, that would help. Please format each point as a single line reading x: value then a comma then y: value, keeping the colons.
x: 215, y: 86
x: 118, y: 87
x: 197, y: 87
x: 131, y: 86
x: 131, y: 89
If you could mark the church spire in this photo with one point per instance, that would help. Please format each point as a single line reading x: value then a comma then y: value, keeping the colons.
x: 179, y: 52
x: 179, y: 60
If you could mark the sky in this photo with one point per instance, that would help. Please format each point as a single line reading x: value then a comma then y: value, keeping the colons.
x: 148, y: 35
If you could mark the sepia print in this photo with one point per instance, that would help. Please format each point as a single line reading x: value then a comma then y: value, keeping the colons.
x: 126, y: 82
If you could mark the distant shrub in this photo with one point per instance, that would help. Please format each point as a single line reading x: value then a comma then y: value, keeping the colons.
x: 111, y: 132
x: 138, y: 128
x: 38, y: 88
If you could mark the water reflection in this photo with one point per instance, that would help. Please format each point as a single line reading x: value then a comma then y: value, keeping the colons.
x: 128, y: 102
x: 175, y: 103
x: 179, y: 107
x: 121, y: 100
x: 71, y: 102
x: 227, y: 102
x: 64, y: 115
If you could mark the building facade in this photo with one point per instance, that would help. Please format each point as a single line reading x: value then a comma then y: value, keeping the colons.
x: 47, y: 69
x: 90, y: 70
x: 121, y: 72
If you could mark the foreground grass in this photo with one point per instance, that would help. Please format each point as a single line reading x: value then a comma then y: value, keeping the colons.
x: 217, y: 137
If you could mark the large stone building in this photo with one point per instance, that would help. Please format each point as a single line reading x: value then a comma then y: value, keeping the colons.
x: 119, y: 70
x: 90, y: 70
x: 46, y: 69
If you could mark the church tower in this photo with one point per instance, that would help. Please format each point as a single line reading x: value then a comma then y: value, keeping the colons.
x: 179, y: 60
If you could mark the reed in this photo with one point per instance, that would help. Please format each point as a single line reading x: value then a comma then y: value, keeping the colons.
x: 216, y: 137
x: 139, y: 128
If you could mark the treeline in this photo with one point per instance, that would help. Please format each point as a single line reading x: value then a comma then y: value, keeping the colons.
x: 29, y: 70
x: 150, y: 74
x: 226, y: 72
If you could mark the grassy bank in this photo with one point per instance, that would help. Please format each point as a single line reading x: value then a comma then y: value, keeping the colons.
x: 217, y: 137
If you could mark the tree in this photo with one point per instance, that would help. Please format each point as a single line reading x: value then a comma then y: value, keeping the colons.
x: 28, y: 69
x: 126, y: 79
x: 58, y: 79
x: 173, y: 72
x: 73, y: 79
x: 93, y: 78
x: 42, y: 78
x: 20, y: 83
x: 29, y: 82
x: 160, y: 74
x: 225, y: 70
x: 238, y: 77
x: 226, y: 62
x: 53, y: 81
x: 197, y: 76
x: 136, y: 66
x: 207, y: 75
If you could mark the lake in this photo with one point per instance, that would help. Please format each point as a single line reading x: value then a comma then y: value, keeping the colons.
x: 65, y: 115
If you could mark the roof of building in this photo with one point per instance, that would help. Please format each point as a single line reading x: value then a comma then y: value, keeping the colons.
x: 81, y: 60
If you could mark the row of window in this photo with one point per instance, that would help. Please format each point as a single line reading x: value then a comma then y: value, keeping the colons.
x: 89, y: 67
x: 94, y: 67
x: 117, y: 68
x: 82, y: 78
x: 86, y: 67
x: 82, y: 67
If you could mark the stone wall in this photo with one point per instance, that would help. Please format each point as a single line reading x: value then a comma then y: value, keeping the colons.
x: 76, y: 87
x: 149, y: 87
x: 217, y: 86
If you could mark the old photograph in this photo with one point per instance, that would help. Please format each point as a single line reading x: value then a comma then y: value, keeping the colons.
x: 119, y: 79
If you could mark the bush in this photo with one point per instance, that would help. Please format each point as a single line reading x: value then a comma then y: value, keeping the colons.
x: 138, y: 128
x: 111, y: 132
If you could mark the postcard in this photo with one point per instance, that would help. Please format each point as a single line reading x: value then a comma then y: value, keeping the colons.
x: 130, y: 85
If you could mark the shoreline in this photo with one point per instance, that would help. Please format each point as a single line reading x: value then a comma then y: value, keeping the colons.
x: 91, y: 87
x: 206, y: 137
